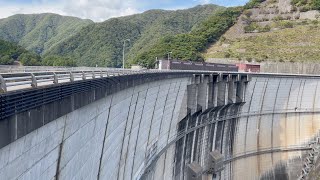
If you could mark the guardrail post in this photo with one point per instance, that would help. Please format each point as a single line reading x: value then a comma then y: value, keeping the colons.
x: 34, y: 81
x: 55, y: 78
x: 101, y: 74
x: 71, y: 77
x: 93, y: 75
x: 3, y: 86
x: 83, y: 75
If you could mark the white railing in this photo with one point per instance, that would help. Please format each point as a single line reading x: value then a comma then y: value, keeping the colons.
x: 23, y: 80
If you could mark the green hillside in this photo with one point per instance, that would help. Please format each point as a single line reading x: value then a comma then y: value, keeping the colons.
x: 10, y: 52
x: 188, y: 46
x: 101, y: 43
x: 39, y: 32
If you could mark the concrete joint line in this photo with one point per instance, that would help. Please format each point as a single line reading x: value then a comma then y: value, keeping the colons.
x: 104, y: 139
x: 57, y: 176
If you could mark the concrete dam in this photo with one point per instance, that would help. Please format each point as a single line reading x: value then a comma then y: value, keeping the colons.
x: 163, y: 125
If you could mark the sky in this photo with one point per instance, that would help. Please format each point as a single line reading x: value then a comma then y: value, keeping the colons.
x: 100, y: 10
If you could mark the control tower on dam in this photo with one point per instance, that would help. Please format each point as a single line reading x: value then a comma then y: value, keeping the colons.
x: 180, y: 125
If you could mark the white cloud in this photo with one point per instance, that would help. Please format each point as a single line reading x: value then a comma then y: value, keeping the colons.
x: 97, y: 10
x: 204, y: 1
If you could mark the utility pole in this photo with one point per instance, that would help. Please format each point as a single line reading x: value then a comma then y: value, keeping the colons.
x: 168, y: 59
x: 124, y: 46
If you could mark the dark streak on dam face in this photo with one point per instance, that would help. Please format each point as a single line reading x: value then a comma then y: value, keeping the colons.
x: 169, y: 127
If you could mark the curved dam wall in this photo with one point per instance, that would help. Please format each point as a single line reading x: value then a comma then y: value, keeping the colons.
x: 106, y: 139
x: 156, y: 128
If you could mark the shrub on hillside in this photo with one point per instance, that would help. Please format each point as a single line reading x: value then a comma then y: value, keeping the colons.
x: 247, y: 13
x: 285, y: 24
x: 266, y: 28
x: 30, y: 59
x: 253, y: 4
x: 305, y: 8
x: 315, y: 4
x: 251, y: 27
x: 6, y: 60
x: 278, y: 18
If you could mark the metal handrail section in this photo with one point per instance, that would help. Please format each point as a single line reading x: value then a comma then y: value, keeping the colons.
x: 44, y: 74
x: 46, y: 78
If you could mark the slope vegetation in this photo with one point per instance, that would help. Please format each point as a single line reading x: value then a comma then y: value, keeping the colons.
x: 11, y: 52
x: 274, y: 30
x: 101, y: 43
x: 39, y: 32
x: 188, y: 46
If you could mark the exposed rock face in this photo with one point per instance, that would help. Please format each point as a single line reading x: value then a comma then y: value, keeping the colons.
x: 313, y: 15
x: 284, y: 6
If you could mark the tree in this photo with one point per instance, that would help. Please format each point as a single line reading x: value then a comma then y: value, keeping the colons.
x: 6, y: 60
x: 315, y: 4
x: 29, y: 59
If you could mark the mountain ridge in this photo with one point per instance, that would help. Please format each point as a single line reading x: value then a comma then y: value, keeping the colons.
x: 38, y: 32
x: 101, y: 43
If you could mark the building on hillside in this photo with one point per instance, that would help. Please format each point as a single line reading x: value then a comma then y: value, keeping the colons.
x: 191, y: 65
x: 248, y: 67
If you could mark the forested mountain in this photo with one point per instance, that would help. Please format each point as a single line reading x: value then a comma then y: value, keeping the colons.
x: 39, y: 32
x: 101, y: 43
x: 188, y: 46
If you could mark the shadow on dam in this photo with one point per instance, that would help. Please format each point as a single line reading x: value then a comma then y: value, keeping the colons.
x: 214, y: 126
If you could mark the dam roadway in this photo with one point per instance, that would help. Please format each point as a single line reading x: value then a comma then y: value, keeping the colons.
x: 122, y: 124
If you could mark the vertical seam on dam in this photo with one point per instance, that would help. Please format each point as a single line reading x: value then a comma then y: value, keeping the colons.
x: 165, y: 155
x: 303, y: 86
x: 313, y: 106
x: 298, y: 116
x: 135, y: 147
x: 164, y: 108
x: 265, y: 85
x: 60, y: 151
x: 126, y: 157
x: 286, y: 115
x: 124, y: 135
x: 249, y: 107
x: 272, y: 119
x: 146, y: 149
x: 104, y: 139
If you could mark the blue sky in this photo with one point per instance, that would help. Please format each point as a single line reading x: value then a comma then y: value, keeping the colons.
x: 100, y: 10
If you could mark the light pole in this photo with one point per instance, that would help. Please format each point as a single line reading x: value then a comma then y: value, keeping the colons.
x: 124, y: 46
x: 168, y: 59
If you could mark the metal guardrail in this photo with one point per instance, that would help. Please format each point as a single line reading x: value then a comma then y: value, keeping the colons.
x: 16, y: 81
x: 46, y: 78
